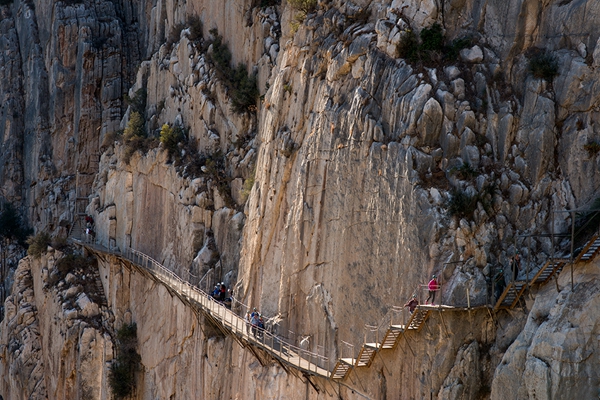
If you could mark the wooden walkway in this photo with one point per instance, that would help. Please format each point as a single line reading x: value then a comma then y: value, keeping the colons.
x: 553, y: 267
x: 305, y: 361
x: 308, y: 363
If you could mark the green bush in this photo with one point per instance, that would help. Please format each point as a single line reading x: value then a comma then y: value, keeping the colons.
x: 248, y: 185
x: 306, y: 6
x: 66, y: 264
x: 111, y: 137
x: 121, y: 376
x: 174, y: 35
x: 461, y: 204
x: 430, y: 47
x: 38, y: 244
x: 11, y: 224
x: 432, y: 38
x: 245, y: 90
x: 543, y: 65
x: 268, y: 3
x: 593, y: 147
x: 170, y: 138
x: 195, y: 25
x: 135, y: 126
x: 243, y: 87
x: 408, y: 48
x: 453, y: 50
x: 138, y: 101
x: 464, y: 172
x: 220, y: 55
x: 134, y: 136
x: 59, y: 242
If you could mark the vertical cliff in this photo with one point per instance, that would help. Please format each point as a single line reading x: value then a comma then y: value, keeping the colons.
x: 386, y: 141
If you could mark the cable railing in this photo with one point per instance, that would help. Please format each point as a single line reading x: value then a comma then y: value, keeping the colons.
x: 277, y: 346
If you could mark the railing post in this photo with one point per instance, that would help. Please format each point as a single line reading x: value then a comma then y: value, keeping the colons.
x: 468, y: 299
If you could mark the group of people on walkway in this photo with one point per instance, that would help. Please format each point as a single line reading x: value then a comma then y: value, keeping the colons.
x: 220, y: 292
x: 433, y: 287
x: 498, y: 283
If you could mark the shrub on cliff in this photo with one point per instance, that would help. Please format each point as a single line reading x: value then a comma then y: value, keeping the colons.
x: 430, y: 48
x: 138, y: 101
x: 543, y: 65
x: 121, y: 376
x: 461, y: 204
x: 306, y: 6
x: 38, y: 244
x: 174, y: 35
x: 11, y: 224
x: 195, y: 26
x: 245, y: 90
x: 267, y: 3
x: 170, y: 138
x: 243, y: 87
x: 66, y: 264
x: 135, y: 137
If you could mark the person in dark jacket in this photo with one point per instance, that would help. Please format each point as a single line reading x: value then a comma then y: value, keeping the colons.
x: 412, y: 303
x: 515, y: 266
x: 499, y: 284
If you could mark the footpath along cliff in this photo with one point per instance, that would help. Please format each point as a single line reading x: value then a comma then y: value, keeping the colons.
x: 323, y: 159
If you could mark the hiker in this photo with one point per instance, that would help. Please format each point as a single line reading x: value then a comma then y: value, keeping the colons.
x: 433, y: 287
x: 499, y: 284
x: 515, y: 266
x: 248, y: 322
x: 228, y: 299
x: 90, y: 234
x: 254, y: 320
x: 412, y: 303
x: 222, y: 292
x: 260, y: 326
x: 215, y: 292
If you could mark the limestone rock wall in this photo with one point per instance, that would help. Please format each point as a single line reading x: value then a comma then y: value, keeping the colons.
x: 358, y: 157
x: 56, y: 337
x: 183, y: 223
x: 69, y: 78
x: 361, y: 154
x: 554, y: 355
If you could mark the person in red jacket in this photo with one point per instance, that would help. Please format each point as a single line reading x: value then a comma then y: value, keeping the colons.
x: 433, y: 287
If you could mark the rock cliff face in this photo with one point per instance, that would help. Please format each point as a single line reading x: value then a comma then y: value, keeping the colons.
x: 374, y: 158
x: 56, y: 334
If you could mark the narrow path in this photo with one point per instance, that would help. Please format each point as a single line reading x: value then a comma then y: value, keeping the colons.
x: 309, y: 363
x: 293, y: 356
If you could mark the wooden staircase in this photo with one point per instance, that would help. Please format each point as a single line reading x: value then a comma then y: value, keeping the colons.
x: 548, y: 270
x: 417, y: 319
x: 590, y: 251
x: 511, y: 295
x: 367, y: 354
x: 341, y: 368
x: 514, y: 290
x: 390, y: 339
